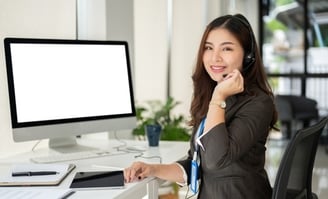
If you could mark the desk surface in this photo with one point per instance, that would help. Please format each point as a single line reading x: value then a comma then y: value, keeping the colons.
x: 169, y: 151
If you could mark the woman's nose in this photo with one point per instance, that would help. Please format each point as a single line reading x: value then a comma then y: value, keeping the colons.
x: 216, y: 56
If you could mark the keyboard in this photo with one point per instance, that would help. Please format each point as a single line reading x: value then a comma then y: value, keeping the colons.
x: 71, y: 156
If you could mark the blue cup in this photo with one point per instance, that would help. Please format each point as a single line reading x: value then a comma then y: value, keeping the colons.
x: 153, y: 133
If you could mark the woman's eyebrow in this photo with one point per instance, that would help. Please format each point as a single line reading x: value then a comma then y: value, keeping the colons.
x: 221, y: 44
x: 227, y: 43
x: 208, y: 43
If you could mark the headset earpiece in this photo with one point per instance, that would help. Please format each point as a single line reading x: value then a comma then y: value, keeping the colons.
x: 249, y: 57
x: 248, y: 61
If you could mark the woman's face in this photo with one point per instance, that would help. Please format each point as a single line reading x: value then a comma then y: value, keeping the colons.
x: 222, y: 54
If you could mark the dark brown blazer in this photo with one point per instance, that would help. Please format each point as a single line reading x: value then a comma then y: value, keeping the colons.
x: 232, y: 162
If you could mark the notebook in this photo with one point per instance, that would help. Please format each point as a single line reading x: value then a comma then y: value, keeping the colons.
x: 61, y: 170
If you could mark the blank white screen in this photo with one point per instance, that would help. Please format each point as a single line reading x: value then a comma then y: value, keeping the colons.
x: 61, y: 81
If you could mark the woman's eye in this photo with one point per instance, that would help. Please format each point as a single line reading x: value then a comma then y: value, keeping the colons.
x: 227, y: 49
x: 207, y: 48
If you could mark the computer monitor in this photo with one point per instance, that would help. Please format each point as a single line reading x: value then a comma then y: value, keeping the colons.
x: 59, y: 89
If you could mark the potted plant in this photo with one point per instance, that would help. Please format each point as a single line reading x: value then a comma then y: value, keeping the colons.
x: 160, y: 114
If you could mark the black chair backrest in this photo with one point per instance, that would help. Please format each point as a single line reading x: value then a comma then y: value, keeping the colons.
x: 296, y: 107
x: 294, y: 176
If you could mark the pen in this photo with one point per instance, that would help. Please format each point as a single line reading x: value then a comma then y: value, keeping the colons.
x: 33, y: 173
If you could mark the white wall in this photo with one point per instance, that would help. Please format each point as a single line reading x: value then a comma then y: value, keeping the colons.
x: 91, y: 19
x: 151, y: 35
x: 32, y: 18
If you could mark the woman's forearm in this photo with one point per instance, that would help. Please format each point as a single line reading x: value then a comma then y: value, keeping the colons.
x: 170, y: 172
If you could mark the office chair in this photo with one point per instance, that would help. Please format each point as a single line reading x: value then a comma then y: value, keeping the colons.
x: 294, y: 176
x: 293, y: 108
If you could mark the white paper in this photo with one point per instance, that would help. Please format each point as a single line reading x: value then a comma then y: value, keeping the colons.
x: 19, y: 193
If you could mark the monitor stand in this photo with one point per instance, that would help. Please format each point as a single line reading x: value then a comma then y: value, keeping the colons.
x: 67, y: 145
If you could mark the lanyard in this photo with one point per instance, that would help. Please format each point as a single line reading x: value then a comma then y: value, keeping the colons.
x: 195, y: 162
x: 200, y: 131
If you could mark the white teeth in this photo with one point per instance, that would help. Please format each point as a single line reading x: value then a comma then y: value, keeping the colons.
x: 217, y: 67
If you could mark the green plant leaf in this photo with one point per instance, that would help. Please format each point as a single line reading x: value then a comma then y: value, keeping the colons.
x: 157, y: 112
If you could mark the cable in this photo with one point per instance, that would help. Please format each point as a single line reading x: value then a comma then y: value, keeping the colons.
x: 35, y: 145
x: 124, y: 144
x: 188, y: 197
x: 141, y: 155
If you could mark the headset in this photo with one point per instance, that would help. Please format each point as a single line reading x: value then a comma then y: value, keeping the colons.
x: 249, y: 57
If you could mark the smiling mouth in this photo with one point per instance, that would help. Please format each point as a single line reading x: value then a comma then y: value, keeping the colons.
x: 217, y: 68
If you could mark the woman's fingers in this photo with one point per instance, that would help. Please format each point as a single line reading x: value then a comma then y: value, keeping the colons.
x: 130, y: 173
x: 136, y: 171
x: 128, y: 177
x: 233, y: 83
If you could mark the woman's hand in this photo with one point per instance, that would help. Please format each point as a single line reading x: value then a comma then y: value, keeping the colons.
x: 138, y: 170
x: 232, y: 84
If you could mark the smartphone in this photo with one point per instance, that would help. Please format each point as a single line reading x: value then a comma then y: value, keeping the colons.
x: 98, y: 180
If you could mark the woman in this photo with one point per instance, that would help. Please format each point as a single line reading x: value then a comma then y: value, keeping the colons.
x: 233, y: 102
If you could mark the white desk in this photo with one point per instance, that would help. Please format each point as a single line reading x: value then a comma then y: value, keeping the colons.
x: 168, y: 151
